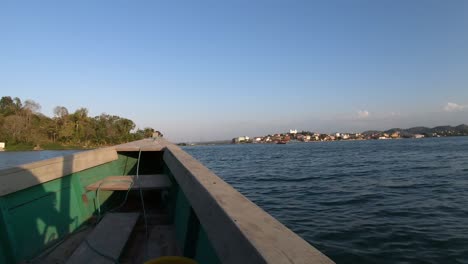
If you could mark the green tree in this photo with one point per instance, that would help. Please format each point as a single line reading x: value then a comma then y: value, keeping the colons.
x: 80, y: 120
x: 148, y: 132
x: 23, y: 123
x: 15, y: 129
x: 29, y: 109
x: 7, y: 106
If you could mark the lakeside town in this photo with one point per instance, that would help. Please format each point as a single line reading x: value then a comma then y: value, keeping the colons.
x: 395, y: 133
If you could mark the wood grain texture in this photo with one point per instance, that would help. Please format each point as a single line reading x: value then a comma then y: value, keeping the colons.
x: 123, y: 183
x: 28, y: 175
x: 239, y: 230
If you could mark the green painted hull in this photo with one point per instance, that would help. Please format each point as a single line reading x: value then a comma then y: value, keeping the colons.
x: 37, y: 218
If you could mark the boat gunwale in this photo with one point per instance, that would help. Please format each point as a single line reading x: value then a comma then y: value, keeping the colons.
x: 31, y: 174
x: 239, y: 230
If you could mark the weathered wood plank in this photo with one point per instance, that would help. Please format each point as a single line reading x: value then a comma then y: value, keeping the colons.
x: 108, y: 238
x: 239, y: 230
x: 28, y: 175
x: 64, y: 250
x: 123, y: 183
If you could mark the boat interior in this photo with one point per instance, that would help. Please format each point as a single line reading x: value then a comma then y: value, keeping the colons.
x: 133, y: 203
x: 133, y: 221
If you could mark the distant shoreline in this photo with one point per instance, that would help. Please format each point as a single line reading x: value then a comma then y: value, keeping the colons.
x: 228, y: 142
x: 394, y: 133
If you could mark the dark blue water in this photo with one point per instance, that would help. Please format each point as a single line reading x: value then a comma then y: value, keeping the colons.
x: 386, y: 201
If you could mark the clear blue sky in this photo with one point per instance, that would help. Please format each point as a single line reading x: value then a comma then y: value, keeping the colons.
x: 201, y: 70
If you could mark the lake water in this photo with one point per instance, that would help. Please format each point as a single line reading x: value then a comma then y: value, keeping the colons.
x: 382, y: 201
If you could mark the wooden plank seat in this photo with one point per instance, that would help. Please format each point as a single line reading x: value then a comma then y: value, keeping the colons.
x: 106, y: 242
x: 123, y: 183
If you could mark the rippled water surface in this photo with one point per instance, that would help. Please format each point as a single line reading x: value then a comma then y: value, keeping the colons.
x: 386, y: 201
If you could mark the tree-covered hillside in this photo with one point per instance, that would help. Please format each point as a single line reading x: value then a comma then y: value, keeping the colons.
x: 22, y: 126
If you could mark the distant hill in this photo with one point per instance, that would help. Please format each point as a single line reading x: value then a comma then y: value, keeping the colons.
x: 418, y: 130
x: 371, y: 132
x: 460, y: 130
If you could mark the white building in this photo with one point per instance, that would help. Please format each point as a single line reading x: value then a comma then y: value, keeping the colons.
x: 292, y: 131
x: 2, y: 146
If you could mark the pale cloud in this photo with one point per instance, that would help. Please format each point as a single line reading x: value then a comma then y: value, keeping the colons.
x: 362, y: 114
x: 453, y: 107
